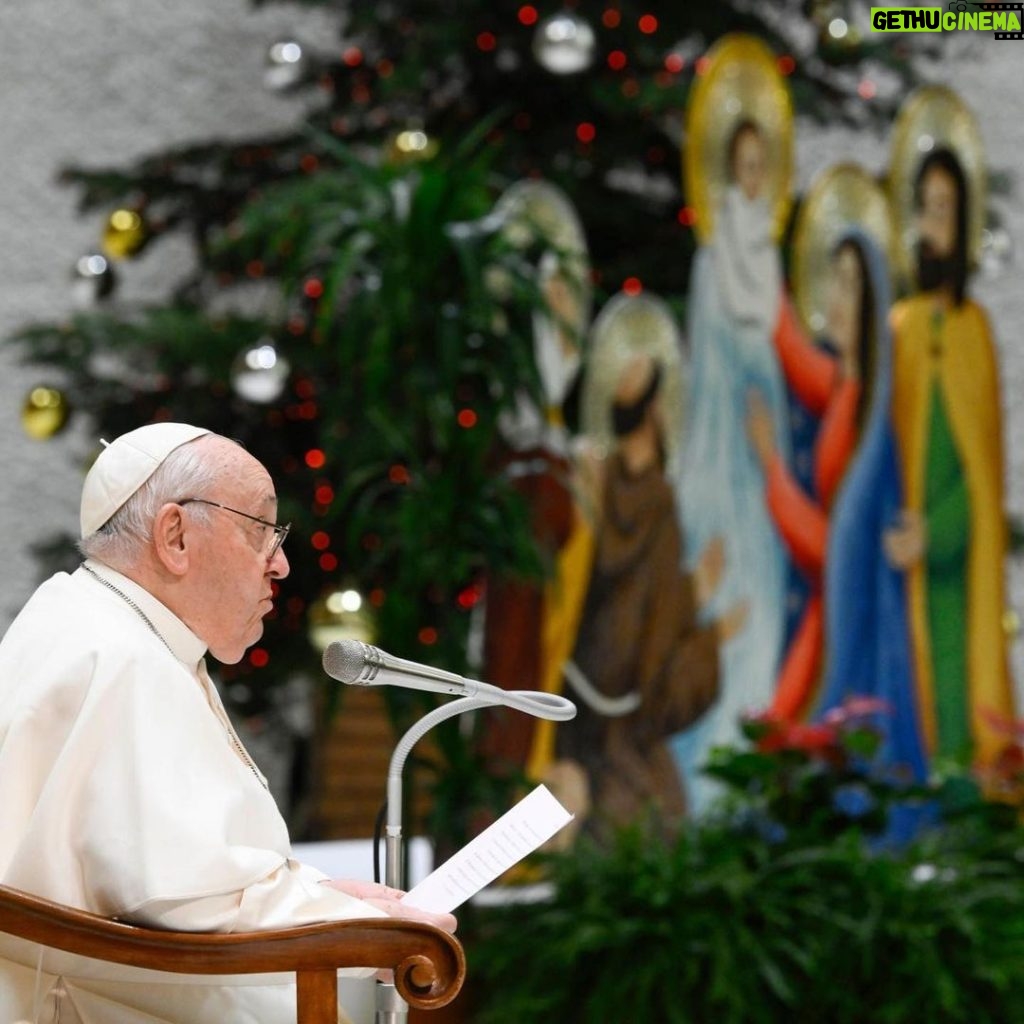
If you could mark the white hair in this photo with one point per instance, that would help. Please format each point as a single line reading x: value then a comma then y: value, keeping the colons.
x: 187, y: 472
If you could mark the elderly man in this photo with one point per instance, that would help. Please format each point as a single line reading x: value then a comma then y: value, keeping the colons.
x: 124, y: 789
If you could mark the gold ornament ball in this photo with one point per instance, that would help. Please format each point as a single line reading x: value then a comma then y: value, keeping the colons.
x: 411, y: 145
x: 44, y: 413
x: 125, y: 234
x: 342, y: 614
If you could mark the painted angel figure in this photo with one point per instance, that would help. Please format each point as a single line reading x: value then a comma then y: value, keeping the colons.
x: 736, y: 294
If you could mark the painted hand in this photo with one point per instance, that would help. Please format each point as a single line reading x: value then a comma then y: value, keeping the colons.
x: 760, y: 427
x: 707, y: 574
x: 905, y: 543
x: 733, y: 621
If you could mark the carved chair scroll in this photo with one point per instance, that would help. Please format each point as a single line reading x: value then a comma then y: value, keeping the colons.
x: 429, y: 964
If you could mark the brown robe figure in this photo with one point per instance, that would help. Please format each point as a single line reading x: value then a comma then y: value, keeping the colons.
x: 639, y: 634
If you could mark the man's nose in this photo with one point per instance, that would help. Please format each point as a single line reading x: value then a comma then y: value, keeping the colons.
x: 279, y: 567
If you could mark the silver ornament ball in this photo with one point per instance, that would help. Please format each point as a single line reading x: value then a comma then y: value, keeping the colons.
x: 259, y: 373
x: 93, y: 280
x: 287, y: 65
x: 996, y: 250
x: 564, y: 43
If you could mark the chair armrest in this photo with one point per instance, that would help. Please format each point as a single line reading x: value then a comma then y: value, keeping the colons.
x: 429, y: 964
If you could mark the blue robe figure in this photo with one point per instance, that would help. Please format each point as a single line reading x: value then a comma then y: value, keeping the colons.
x: 735, y: 294
x: 867, y: 634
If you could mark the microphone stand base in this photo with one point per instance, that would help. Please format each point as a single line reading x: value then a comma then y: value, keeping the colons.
x: 391, y: 1007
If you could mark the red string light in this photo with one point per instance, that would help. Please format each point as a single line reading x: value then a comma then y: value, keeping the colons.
x: 527, y: 14
x: 324, y: 494
x: 586, y: 132
x: 687, y: 216
x: 320, y: 540
x: 486, y: 41
x: 867, y: 89
x: 648, y: 24
x: 328, y: 562
x: 315, y: 458
x: 632, y: 286
x: 258, y: 657
x: 786, y: 64
x: 352, y: 56
x: 427, y: 636
x: 611, y: 18
x: 466, y: 418
x: 617, y: 60
x: 313, y: 288
x: 674, y: 63
x: 398, y: 474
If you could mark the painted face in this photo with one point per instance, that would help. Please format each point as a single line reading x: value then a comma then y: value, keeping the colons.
x: 936, y: 219
x: 845, y: 291
x: 749, y: 168
x: 231, y: 574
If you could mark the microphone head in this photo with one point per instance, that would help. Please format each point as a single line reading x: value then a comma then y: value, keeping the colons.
x: 345, y: 660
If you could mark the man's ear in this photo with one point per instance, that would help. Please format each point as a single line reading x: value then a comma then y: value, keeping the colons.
x: 170, y: 539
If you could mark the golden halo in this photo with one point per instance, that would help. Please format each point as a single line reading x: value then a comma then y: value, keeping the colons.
x: 629, y: 325
x: 742, y: 81
x: 841, y: 197
x: 934, y: 115
x: 532, y: 209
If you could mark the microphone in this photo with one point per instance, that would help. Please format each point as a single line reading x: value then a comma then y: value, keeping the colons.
x: 352, y: 661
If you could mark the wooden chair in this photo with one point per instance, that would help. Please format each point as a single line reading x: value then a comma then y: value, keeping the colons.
x: 429, y: 964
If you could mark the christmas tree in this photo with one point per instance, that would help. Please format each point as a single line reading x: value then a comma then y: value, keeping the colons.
x: 355, y: 316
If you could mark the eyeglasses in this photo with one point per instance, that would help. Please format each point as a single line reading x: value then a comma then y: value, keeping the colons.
x: 279, y: 534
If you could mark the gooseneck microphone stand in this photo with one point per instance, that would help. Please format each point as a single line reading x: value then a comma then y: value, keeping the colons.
x: 391, y: 1007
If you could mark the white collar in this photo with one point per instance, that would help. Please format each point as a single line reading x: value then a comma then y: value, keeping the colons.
x: 183, y: 643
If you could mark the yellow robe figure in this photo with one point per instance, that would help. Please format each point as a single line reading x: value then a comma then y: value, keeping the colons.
x: 950, y: 358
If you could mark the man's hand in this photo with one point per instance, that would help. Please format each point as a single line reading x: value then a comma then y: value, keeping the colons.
x: 383, y: 897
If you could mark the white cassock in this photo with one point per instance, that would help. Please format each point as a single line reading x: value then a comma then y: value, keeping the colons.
x: 124, y: 791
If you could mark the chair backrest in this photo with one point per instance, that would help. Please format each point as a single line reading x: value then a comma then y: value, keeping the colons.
x: 429, y: 964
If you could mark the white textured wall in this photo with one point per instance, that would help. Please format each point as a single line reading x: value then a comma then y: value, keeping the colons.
x: 99, y: 84
x: 102, y: 82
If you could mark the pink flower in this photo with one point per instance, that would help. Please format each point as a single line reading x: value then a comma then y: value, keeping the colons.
x: 854, y: 708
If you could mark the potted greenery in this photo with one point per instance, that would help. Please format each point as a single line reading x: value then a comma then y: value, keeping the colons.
x: 790, y: 903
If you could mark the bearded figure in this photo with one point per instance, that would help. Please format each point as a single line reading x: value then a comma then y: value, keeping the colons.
x: 950, y: 537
